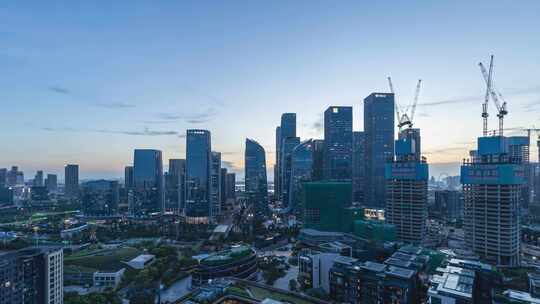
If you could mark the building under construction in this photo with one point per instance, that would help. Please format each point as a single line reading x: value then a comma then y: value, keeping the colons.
x: 492, y: 185
x: 406, y: 188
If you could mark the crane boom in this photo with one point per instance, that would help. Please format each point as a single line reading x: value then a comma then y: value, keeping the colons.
x: 398, y: 114
x: 415, y: 101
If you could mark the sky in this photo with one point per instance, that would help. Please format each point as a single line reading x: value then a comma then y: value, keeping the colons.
x: 87, y: 82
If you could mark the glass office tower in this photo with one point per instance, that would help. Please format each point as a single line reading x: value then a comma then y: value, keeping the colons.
x: 148, y: 178
x: 255, y: 175
x: 338, y: 143
x: 198, y: 160
x: 302, y: 169
x: 379, y: 142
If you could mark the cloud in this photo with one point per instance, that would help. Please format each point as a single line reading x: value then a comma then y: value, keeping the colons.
x: 192, y: 118
x: 114, y: 105
x: 509, y: 92
x: 231, y: 166
x: 144, y: 132
x: 60, y: 90
x: 445, y: 150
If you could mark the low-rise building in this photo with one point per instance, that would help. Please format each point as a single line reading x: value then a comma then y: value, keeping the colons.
x: 107, y: 279
x: 141, y: 261
x: 452, y: 285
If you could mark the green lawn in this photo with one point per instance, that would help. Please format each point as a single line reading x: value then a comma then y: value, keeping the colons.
x: 102, y: 259
x: 261, y: 294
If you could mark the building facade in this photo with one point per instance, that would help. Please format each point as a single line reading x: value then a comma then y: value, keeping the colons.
x: 71, y: 181
x: 215, y: 186
x: 492, y: 184
x: 379, y: 145
x: 406, y: 189
x: 100, y: 198
x: 338, y: 150
x: 358, y: 166
x: 175, y: 185
x: 302, y: 162
x: 255, y: 175
x: 198, y: 167
x: 148, y: 179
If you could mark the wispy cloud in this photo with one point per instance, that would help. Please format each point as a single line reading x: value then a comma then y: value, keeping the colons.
x: 231, y: 166
x: 144, y: 132
x: 114, y: 105
x: 465, y: 99
x: 192, y: 118
x: 59, y: 90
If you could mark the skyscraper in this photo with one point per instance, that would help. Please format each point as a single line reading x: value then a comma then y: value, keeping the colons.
x: 492, y: 183
x: 406, y: 188
x: 32, y: 275
x: 223, y: 186
x: 379, y: 143
x: 14, y: 177
x: 100, y: 198
x: 148, y: 181
x: 71, y: 181
x: 3, y: 177
x: 302, y: 167
x: 287, y: 146
x: 129, y: 182
x: 287, y: 129
x: 174, y: 185
x: 198, y: 163
x: 230, y: 186
x: 38, y: 179
x: 277, y: 175
x: 255, y: 176
x: 215, y: 186
x: 338, y: 143
x: 51, y: 182
x: 359, y: 166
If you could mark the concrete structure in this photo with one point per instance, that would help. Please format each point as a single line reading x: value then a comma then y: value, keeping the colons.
x: 106, y: 279
x: 406, y: 188
x: 492, y: 184
x: 238, y: 262
x: 141, y: 261
x: 448, y: 205
x: 379, y: 145
x: 314, y: 267
x: 452, y: 285
x: 32, y: 275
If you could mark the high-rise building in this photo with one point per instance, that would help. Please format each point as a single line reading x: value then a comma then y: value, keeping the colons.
x: 318, y: 159
x: 215, y: 186
x: 287, y: 146
x: 223, y: 186
x: 14, y: 177
x: 51, y: 183
x: 198, y: 163
x: 406, y: 189
x: 338, y: 143
x: 359, y: 166
x: 148, y: 182
x: 287, y: 129
x: 492, y: 184
x: 32, y: 275
x: 379, y: 143
x: 230, y: 186
x: 129, y: 182
x: 255, y: 176
x: 38, y: 179
x: 301, y: 172
x: 175, y: 185
x: 518, y: 149
x: 3, y: 177
x: 100, y: 198
x: 71, y: 181
x: 277, y: 179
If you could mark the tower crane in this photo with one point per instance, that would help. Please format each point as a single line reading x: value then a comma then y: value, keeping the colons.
x: 493, y: 94
x: 405, y: 118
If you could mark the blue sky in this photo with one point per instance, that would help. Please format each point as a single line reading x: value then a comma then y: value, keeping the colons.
x: 87, y: 82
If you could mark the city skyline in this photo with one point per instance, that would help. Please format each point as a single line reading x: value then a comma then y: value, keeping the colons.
x: 93, y: 94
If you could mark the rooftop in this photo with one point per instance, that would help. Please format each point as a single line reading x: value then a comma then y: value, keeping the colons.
x: 453, y: 281
x: 400, y: 272
x: 373, y: 266
x: 521, y: 296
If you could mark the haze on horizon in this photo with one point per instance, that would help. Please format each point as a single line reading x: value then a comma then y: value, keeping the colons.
x: 87, y: 83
